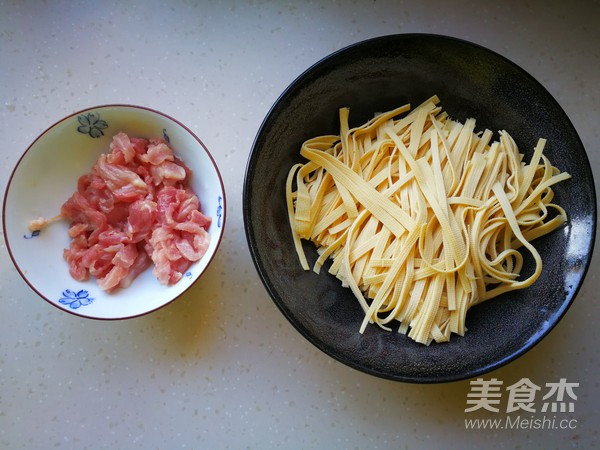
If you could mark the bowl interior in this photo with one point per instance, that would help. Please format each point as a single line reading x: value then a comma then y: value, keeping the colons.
x: 47, y: 175
x: 471, y: 81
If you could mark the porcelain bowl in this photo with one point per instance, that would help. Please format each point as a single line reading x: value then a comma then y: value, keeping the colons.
x: 46, y: 175
x: 378, y: 75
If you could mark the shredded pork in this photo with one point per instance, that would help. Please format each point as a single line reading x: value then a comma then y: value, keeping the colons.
x: 134, y: 209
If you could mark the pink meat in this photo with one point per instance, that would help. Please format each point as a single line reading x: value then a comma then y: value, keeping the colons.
x: 167, y: 173
x: 139, y: 145
x: 125, y: 256
x: 134, y: 209
x: 141, y: 219
x: 193, y: 246
x: 121, y: 150
x: 98, y: 260
x: 93, y: 188
x: 157, y: 153
x: 77, y: 230
x: 112, y: 279
x: 74, y: 255
x: 141, y: 263
x: 112, y: 237
x: 79, y: 210
x: 121, y: 181
x: 188, y: 171
x: 118, y: 215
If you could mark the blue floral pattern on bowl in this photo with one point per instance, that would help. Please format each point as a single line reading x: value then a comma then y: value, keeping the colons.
x: 219, y: 212
x: 91, y: 124
x: 33, y: 234
x: 75, y: 299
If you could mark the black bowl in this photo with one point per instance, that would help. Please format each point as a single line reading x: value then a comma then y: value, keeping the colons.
x: 471, y: 81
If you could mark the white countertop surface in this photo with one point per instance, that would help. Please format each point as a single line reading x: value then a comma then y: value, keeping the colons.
x: 221, y: 367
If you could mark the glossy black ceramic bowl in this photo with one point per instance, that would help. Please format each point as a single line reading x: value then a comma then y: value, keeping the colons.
x: 471, y: 81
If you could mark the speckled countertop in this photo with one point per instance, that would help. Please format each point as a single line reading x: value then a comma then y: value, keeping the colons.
x: 221, y: 367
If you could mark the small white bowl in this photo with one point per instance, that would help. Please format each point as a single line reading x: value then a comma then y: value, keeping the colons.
x: 46, y: 176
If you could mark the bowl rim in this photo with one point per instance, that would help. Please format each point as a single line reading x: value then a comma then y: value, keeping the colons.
x: 275, y: 297
x: 94, y: 108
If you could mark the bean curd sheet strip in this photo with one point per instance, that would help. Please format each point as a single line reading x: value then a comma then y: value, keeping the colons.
x: 423, y: 217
